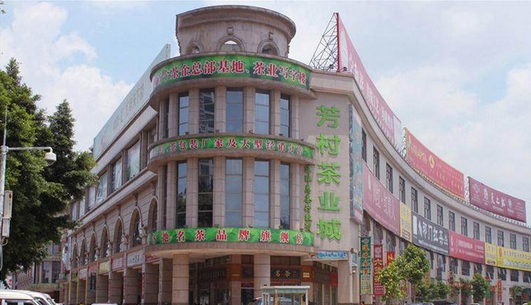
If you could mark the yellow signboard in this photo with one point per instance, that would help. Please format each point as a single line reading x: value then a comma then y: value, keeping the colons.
x: 514, y: 259
x: 490, y: 254
x: 405, y: 222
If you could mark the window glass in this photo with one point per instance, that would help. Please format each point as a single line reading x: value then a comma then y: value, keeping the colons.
x: 285, y: 196
x: 233, y: 192
x: 92, y: 197
x: 285, y: 115
x: 234, y: 110
x: 116, y: 175
x: 261, y: 194
x: 230, y: 46
x: 181, y: 194
x: 206, y: 111
x: 183, y: 120
x: 205, y: 196
x: 133, y: 160
x: 262, y: 108
x: 102, y: 188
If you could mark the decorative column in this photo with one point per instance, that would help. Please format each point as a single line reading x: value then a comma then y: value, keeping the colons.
x: 262, y: 273
x: 346, y: 290
x: 151, y: 284
x: 165, y: 281
x: 180, y: 285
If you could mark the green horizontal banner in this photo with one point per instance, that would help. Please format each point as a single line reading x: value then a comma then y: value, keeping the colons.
x: 228, y: 142
x: 232, y: 235
x: 234, y: 66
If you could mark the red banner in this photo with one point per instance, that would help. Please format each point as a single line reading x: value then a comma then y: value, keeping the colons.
x: 432, y: 167
x: 390, y: 257
x: 377, y: 264
x: 466, y: 248
x: 494, y: 201
x: 348, y: 58
x: 381, y: 204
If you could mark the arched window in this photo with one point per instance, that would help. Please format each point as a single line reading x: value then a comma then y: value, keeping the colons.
x: 117, y: 237
x: 153, y: 219
x: 135, y: 230
x: 74, y: 258
x: 230, y: 46
x: 269, y: 49
x: 83, y: 254
x: 92, y: 253
x: 104, y: 244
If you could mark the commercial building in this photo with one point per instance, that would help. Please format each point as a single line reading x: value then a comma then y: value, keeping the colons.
x: 231, y: 167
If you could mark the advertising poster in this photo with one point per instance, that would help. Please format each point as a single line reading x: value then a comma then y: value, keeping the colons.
x: 378, y: 265
x: 429, y: 235
x: 406, y: 227
x: 365, y: 265
x: 494, y: 201
x: 466, y: 248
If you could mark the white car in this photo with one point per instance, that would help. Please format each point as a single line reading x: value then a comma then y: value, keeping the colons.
x: 42, y: 298
x: 15, y: 297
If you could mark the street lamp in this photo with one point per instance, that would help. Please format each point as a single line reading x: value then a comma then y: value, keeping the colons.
x: 5, y: 205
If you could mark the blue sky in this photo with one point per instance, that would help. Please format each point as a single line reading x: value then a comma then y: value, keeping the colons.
x: 457, y: 74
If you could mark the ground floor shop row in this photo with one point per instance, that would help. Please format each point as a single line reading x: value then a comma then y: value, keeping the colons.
x: 228, y: 279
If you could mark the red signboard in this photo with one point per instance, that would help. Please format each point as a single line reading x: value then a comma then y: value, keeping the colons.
x: 466, y: 248
x: 381, y: 204
x: 432, y: 167
x: 390, y: 257
x: 377, y: 264
x: 494, y: 201
x: 348, y: 58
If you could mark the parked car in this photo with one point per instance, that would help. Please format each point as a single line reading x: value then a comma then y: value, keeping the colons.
x: 42, y: 298
x: 15, y: 297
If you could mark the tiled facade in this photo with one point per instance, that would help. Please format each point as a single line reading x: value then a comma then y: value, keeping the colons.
x: 232, y: 168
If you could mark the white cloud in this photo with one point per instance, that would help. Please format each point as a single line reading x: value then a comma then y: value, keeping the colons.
x: 56, y: 65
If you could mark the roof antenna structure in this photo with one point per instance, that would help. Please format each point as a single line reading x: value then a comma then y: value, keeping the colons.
x: 325, y: 56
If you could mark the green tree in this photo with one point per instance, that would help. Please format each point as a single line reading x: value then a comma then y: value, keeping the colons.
x: 465, y: 287
x: 390, y: 277
x: 40, y: 193
x: 413, y: 264
x: 479, y: 287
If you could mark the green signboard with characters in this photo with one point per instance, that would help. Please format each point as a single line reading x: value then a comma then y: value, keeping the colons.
x: 234, y: 235
x: 232, y: 142
x: 234, y: 66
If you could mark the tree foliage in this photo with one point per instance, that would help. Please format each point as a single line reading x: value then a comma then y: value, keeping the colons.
x: 390, y: 277
x: 465, y: 287
x: 479, y: 287
x: 40, y: 193
x: 413, y: 264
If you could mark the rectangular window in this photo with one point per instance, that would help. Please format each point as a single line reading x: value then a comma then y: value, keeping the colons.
x: 389, y: 177
x: 414, y: 200
x: 74, y: 212
x: 180, y: 198
x: 490, y: 272
x: 285, y: 196
x: 206, y: 111
x: 184, y: 111
x: 102, y: 188
x: 453, y: 265
x: 427, y: 208
x: 451, y: 220
x: 91, y: 197
x: 262, y: 112
x: 440, y: 215
x: 525, y: 243
x: 363, y: 145
x: 285, y: 115
x: 515, y: 275
x: 464, y: 226
x: 402, y: 189
x: 116, y: 179
x: 476, y: 230
x: 501, y: 241
x: 502, y: 274
x: 133, y: 161
x: 205, y: 196
x: 165, y: 119
x: 465, y: 268
x: 234, y: 111
x: 261, y: 194
x: 488, y: 235
x: 233, y: 192
x: 512, y: 241
x: 376, y: 163
x: 527, y: 277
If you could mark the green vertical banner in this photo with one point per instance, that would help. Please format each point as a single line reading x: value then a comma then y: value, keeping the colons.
x: 365, y: 265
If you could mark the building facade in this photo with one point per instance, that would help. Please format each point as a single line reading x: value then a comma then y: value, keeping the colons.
x: 231, y: 166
